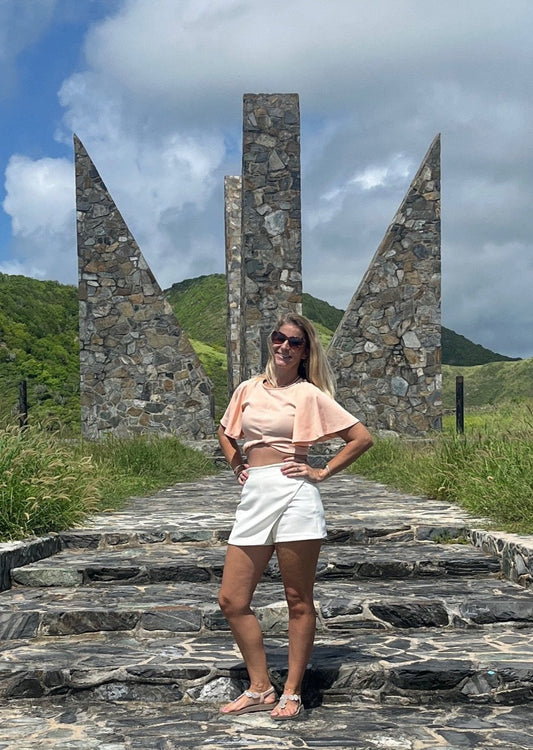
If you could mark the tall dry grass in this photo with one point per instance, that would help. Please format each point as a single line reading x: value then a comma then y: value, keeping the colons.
x: 49, y: 484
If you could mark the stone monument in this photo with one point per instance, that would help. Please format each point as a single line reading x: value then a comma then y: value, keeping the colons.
x: 386, y: 351
x: 139, y: 372
x: 271, y: 221
x: 234, y: 281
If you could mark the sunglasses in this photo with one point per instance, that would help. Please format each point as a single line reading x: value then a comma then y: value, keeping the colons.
x: 295, y: 342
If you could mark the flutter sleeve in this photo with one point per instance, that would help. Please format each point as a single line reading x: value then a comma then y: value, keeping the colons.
x: 232, y: 418
x: 318, y: 417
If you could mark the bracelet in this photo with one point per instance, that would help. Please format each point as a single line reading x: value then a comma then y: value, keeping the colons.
x: 237, y: 470
x: 328, y: 469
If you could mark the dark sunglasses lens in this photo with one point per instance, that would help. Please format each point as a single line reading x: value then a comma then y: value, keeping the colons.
x: 280, y: 338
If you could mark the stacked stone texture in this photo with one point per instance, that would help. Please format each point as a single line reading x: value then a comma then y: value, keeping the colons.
x: 139, y: 373
x: 233, y: 231
x: 386, y: 352
x: 271, y: 220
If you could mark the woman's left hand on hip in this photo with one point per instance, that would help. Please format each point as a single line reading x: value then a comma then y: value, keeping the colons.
x: 299, y: 470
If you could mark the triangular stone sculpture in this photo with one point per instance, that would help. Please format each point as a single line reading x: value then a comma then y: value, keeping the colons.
x: 386, y: 351
x: 139, y: 372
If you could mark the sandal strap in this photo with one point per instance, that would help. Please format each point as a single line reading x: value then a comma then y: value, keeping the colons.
x: 257, y: 696
x: 289, y: 697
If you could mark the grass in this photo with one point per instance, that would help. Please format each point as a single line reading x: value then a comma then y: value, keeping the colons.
x: 142, y: 465
x: 48, y: 484
x: 488, y: 471
x: 44, y: 485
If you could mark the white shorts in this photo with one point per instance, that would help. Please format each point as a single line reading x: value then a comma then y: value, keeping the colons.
x: 275, y: 508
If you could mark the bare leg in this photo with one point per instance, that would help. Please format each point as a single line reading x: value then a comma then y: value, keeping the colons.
x: 297, y: 563
x: 243, y: 568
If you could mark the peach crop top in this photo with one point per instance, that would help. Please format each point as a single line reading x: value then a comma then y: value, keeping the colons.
x: 288, y: 419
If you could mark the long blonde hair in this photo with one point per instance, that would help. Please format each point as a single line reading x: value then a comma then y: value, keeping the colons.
x: 315, y: 368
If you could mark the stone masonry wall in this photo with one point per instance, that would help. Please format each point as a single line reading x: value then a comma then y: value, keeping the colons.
x: 271, y: 220
x: 386, y: 352
x: 139, y: 373
x: 234, y: 281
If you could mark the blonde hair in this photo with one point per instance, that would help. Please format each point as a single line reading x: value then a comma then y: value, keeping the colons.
x: 315, y: 367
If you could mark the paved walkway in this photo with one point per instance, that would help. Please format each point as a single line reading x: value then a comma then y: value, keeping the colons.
x: 116, y: 641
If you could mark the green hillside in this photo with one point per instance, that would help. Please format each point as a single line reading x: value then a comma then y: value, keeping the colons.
x: 39, y: 343
x: 493, y: 383
x: 321, y: 312
x: 458, y: 350
x: 200, y: 306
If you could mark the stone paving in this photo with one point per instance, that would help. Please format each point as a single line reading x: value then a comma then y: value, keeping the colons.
x: 69, y: 724
x: 115, y: 641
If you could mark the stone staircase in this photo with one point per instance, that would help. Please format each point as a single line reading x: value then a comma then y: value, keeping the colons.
x: 116, y: 641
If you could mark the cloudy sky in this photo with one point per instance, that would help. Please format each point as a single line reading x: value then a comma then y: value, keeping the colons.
x: 154, y: 90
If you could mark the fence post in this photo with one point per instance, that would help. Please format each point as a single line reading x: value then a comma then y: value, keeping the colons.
x: 23, y: 404
x: 459, y: 404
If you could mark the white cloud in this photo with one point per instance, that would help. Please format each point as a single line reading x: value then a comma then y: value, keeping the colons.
x: 380, y: 176
x: 40, y: 201
x: 39, y: 195
x: 369, y: 178
x: 158, y: 177
x: 19, y: 268
x: 192, y: 58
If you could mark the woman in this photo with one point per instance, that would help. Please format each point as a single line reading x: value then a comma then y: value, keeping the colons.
x: 280, y: 414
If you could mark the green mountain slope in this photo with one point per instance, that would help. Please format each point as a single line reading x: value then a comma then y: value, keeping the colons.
x: 39, y: 343
x: 493, y: 383
x: 458, y: 350
x: 321, y: 312
x: 200, y: 306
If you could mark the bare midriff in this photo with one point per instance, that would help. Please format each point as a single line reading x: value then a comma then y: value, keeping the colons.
x: 265, y: 455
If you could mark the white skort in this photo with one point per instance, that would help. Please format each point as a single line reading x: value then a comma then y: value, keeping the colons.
x: 275, y: 508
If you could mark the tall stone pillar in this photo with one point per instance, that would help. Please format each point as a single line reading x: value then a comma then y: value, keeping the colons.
x: 386, y: 351
x: 139, y: 372
x: 234, y: 282
x: 271, y: 220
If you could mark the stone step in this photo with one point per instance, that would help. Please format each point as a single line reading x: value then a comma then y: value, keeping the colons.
x: 181, y: 562
x: 64, y: 723
x: 491, y: 665
x: 192, y: 607
x: 357, y: 530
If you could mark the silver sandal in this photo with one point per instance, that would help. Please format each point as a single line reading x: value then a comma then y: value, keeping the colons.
x: 285, y: 698
x: 253, y: 707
